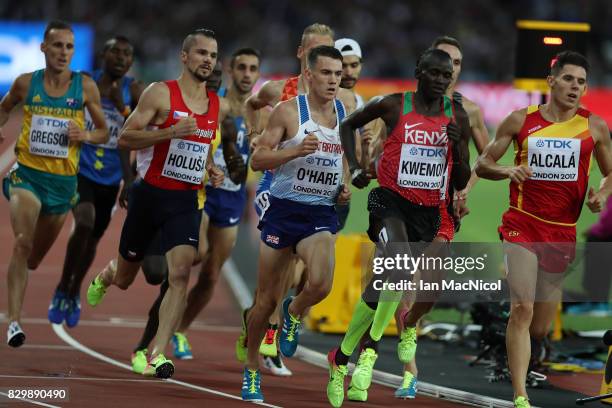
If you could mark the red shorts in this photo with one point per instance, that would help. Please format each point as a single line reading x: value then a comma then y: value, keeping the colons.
x: 554, y: 245
x: 447, y: 225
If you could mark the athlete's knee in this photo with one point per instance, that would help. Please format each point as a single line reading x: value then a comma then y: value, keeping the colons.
x: 22, y: 246
x: 521, y: 313
x: 155, y: 269
x: 267, y: 304
x: 178, y: 275
x: 209, y: 276
x: 320, y: 289
x: 85, y: 216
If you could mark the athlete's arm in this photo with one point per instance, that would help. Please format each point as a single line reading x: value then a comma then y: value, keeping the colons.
x: 91, y: 100
x: 265, y: 157
x: 486, y: 165
x: 385, y: 107
x: 151, y: 107
x: 236, y: 167
x: 460, y: 133
x: 603, y: 155
x: 267, y: 95
x: 17, y: 94
x: 136, y: 90
x: 480, y: 134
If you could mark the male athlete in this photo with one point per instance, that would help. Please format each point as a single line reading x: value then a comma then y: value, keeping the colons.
x: 449, y: 219
x: 269, y: 95
x: 548, y: 185
x: 425, y: 130
x: 42, y: 186
x: 302, y: 143
x: 101, y: 170
x: 171, y: 165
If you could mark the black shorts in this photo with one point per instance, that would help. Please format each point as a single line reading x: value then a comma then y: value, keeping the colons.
x: 173, y: 213
x: 422, y: 223
x: 103, y: 198
x: 343, y: 212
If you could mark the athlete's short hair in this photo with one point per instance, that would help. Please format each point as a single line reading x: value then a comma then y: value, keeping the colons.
x: 190, y: 39
x: 323, y: 51
x: 57, y: 25
x: 245, y: 51
x: 118, y: 38
x: 317, y: 29
x: 445, y: 39
x: 568, y: 57
x: 431, y: 52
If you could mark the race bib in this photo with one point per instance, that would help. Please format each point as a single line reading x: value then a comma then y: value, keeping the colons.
x: 49, y: 137
x: 185, y: 161
x: 318, y: 175
x: 422, y: 166
x: 553, y: 158
x: 114, y: 123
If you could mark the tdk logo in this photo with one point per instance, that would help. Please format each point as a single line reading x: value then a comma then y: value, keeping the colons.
x: 191, y: 147
x: 554, y: 143
x: 50, y: 122
x: 322, y: 161
x: 426, y: 152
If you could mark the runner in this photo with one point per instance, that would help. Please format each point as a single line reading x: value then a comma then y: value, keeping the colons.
x: 42, y: 186
x: 101, y: 169
x: 420, y: 122
x: 301, y: 218
x: 269, y: 95
x: 548, y: 185
x: 450, y: 218
x: 171, y: 167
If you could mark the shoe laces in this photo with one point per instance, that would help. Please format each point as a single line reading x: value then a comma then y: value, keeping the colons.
x: 253, y: 381
x: 337, y: 377
x: 408, y: 380
x: 183, y: 343
x: 270, y: 334
x: 367, y: 358
x: 521, y: 402
x: 294, y: 325
x: 409, y: 334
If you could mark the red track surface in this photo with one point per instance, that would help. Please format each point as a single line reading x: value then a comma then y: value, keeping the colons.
x: 114, y: 328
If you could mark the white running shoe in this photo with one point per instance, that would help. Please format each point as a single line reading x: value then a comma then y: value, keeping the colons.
x: 276, y: 366
x: 15, y: 337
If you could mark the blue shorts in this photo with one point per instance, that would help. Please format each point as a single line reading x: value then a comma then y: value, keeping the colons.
x: 262, y: 195
x: 287, y: 222
x: 224, y: 208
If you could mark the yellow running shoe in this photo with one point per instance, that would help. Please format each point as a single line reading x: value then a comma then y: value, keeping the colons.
x: 159, y: 367
x: 139, y: 361
x: 268, y: 344
x: 521, y: 402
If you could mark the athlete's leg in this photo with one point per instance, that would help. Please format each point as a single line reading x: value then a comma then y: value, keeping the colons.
x: 25, y: 209
x: 153, y: 322
x: 548, y: 295
x: 222, y: 241
x: 48, y: 228
x: 317, y: 252
x: 271, y: 262
x: 180, y: 259
x: 77, y: 254
x: 522, y: 268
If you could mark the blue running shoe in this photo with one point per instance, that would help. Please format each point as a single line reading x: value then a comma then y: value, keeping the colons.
x: 57, y: 308
x: 408, y: 389
x: 251, y: 386
x: 73, y: 311
x: 290, y: 333
x: 182, y: 348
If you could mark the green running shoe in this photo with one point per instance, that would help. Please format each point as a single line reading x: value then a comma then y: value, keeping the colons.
x: 268, y: 344
x: 521, y: 402
x: 362, y: 376
x: 406, y: 349
x: 159, y: 367
x: 96, y: 292
x: 139, y: 361
x: 335, y: 386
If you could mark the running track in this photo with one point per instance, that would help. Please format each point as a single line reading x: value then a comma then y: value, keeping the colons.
x: 91, y: 361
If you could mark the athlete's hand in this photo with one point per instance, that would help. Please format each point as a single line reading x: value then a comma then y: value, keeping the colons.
x: 75, y: 133
x: 595, y: 200
x: 360, y: 178
x: 344, y: 196
x: 308, y: 146
x: 124, y: 194
x: 453, y: 131
x: 236, y: 168
x: 184, y: 127
x: 460, y: 208
x: 216, y: 176
x: 518, y: 174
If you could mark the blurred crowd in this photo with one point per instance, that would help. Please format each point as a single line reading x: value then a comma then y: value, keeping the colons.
x: 392, y: 32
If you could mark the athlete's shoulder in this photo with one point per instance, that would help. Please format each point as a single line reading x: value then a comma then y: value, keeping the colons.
x: 598, y: 125
x: 515, y: 120
x: 470, y: 106
x: 348, y: 99
x: 23, y: 80
x: 273, y: 87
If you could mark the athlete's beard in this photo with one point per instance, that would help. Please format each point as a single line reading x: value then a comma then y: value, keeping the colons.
x: 197, y: 76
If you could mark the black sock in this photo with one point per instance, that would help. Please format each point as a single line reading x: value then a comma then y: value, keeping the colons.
x: 341, y: 358
x: 369, y: 343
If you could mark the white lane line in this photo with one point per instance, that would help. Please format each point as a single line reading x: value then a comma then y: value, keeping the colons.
x: 47, y: 347
x: 42, y: 404
x: 7, y: 158
x: 45, y: 377
x: 62, y: 334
